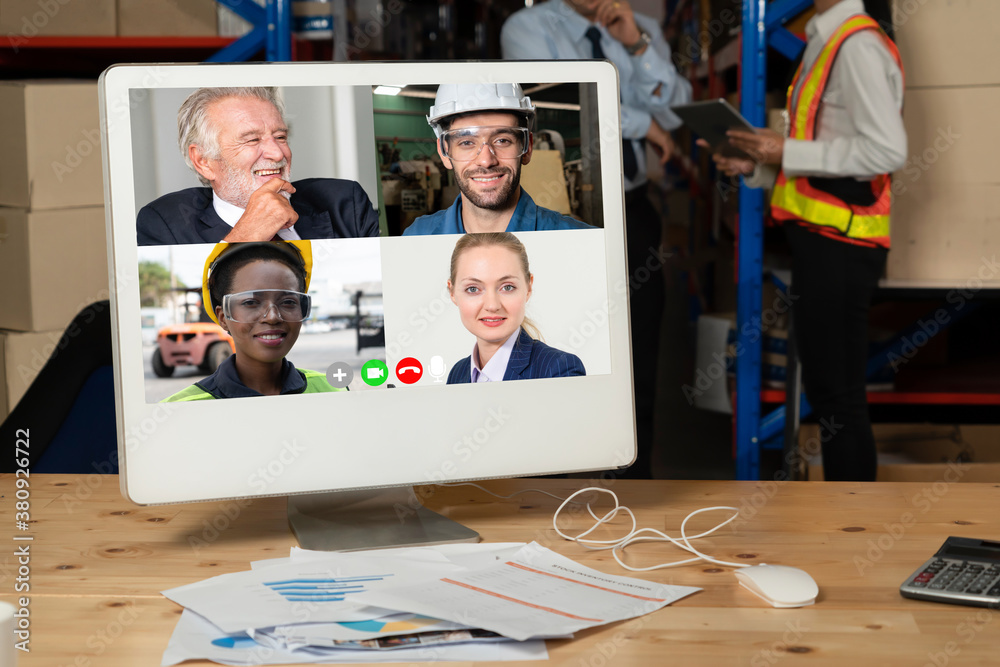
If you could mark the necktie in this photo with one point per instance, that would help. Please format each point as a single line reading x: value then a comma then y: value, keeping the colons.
x: 630, y: 166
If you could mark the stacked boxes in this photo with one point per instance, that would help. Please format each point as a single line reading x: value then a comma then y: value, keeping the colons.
x: 24, y: 19
x: 176, y: 18
x: 939, y: 453
x: 944, y: 218
x: 53, y: 248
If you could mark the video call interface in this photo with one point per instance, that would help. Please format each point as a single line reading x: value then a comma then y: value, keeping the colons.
x: 400, y: 300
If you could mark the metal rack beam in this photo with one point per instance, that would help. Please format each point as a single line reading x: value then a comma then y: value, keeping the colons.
x: 272, y: 32
x: 762, y: 24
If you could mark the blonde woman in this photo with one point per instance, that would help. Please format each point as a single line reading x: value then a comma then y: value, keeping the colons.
x: 491, y: 284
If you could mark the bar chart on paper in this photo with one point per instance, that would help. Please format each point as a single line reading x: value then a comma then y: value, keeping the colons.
x: 284, y: 594
x: 321, y: 589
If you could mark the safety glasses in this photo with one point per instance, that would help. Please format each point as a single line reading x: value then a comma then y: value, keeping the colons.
x: 257, y: 305
x: 465, y: 144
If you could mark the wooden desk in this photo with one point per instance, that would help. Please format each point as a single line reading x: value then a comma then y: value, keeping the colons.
x: 98, y: 564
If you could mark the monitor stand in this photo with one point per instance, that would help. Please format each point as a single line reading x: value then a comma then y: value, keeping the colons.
x: 370, y: 519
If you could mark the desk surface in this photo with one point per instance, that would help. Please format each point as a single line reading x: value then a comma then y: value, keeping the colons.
x: 98, y: 564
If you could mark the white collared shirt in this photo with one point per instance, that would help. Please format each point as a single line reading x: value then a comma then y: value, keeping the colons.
x: 231, y: 214
x: 859, y: 130
x: 496, y: 367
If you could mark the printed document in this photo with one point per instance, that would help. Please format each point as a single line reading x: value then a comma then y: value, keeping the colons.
x: 536, y: 593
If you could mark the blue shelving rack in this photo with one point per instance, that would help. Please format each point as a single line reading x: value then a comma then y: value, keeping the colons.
x: 762, y: 28
x: 272, y: 31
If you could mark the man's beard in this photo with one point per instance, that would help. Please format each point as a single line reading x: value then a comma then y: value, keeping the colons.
x: 496, y: 200
x: 236, y: 185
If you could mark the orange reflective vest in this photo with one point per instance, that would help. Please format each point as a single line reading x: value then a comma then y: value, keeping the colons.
x: 839, y: 210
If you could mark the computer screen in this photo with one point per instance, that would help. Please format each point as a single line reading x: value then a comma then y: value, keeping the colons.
x: 380, y: 301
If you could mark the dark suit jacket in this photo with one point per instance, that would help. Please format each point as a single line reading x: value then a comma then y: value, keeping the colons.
x: 328, y: 208
x: 529, y: 359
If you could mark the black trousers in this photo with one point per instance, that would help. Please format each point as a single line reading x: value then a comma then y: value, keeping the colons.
x: 832, y: 287
x: 643, y: 226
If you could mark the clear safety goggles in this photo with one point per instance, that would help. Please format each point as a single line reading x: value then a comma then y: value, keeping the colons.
x: 465, y: 144
x: 256, y: 305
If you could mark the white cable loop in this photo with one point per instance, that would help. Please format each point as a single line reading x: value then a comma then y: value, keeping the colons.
x: 643, y: 534
x: 634, y: 535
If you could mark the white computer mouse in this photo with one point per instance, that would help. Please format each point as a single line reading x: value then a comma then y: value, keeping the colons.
x: 779, y: 585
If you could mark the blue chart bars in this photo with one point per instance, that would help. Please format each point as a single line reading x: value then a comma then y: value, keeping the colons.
x: 321, y: 590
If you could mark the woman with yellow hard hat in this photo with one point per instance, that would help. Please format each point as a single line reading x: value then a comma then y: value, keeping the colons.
x: 257, y: 292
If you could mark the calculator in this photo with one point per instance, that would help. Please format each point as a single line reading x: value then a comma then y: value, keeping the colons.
x: 963, y: 571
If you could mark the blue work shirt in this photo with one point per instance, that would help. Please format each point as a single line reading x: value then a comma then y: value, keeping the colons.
x: 527, y: 217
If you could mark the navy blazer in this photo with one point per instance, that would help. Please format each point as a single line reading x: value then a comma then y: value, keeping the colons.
x: 328, y: 208
x: 529, y: 359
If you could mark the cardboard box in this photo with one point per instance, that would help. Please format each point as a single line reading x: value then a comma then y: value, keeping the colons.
x: 52, y: 265
x: 544, y: 180
x: 715, y: 360
x: 948, y: 42
x: 188, y: 18
x: 924, y: 452
x: 944, y: 216
x: 21, y: 20
x: 22, y: 355
x: 52, y: 146
x: 936, y: 473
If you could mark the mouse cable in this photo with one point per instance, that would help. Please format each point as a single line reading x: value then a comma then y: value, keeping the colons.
x: 618, y: 545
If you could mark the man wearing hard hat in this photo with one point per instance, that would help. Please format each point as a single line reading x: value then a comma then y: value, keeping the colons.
x: 484, y: 136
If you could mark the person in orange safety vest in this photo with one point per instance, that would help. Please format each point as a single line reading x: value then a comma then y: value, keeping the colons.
x: 831, y: 190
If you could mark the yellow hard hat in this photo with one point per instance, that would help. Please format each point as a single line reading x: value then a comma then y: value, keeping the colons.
x: 298, y: 250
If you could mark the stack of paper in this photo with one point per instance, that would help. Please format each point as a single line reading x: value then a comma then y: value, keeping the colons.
x: 451, y: 602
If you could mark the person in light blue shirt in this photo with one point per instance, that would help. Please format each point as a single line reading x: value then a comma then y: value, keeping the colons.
x: 650, y: 86
x: 609, y: 30
x: 484, y: 136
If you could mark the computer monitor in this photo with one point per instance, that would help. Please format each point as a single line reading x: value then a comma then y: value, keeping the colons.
x: 384, y: 323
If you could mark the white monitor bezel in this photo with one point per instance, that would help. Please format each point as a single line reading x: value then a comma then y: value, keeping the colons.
x: 196, y: 451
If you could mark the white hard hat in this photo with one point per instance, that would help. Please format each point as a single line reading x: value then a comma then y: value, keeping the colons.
x: 457, y: 98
